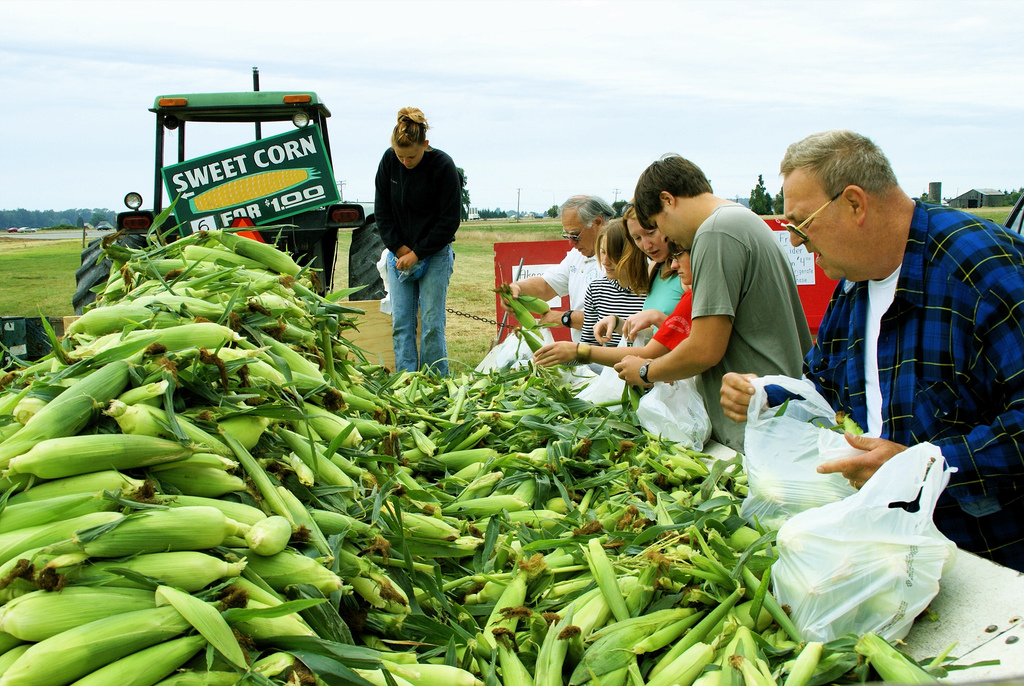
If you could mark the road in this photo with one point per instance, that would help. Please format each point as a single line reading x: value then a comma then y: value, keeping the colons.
x: 56, y: 235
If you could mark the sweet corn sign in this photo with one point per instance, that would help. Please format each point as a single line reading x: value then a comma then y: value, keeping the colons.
x: 264, y: 181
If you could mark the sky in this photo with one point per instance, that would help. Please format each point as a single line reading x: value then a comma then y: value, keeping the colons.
x: 536, y: 100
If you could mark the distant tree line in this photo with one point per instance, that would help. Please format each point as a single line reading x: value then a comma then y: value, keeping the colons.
x: 41, y: 219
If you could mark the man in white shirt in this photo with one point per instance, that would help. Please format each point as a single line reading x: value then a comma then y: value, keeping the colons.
x: 583, y: 216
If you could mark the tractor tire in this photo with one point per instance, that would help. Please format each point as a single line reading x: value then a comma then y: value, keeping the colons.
x: 363, y: 256
x: 93, y: 273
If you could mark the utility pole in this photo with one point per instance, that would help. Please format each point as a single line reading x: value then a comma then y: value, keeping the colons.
x: 518, y: 193
x: 341, y: 191
x: 616, y: 195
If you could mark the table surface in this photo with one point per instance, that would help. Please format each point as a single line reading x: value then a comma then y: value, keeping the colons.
x: 980, y: 607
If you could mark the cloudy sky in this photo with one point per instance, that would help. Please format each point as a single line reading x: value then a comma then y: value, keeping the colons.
x: 538, y: 99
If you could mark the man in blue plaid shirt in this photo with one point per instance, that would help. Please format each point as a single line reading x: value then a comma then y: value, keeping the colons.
x: 924, y: 338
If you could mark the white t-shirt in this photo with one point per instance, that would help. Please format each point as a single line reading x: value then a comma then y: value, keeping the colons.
x: 571, y: 277
x: 880, y: 296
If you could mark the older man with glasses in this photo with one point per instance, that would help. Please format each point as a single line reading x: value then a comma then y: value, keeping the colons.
x: 583, y: 216
x: 922, y: 340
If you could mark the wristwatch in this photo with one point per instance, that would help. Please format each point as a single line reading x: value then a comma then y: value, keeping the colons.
x: 643, y: 372
x: 567, y: 319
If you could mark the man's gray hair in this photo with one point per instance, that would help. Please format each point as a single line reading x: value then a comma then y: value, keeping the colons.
x: 838, y: 159
x: 589, y: 208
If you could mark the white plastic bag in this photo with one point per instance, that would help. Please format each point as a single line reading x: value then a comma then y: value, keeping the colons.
x: 604, y: 387
x: 382, y: 269
x: 782, y: 453
x: 676, y: 411
x: 511, y: 352
x: 871, y: 562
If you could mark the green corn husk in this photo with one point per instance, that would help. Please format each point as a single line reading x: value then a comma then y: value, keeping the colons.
x: 193, y: 678
x: 269, y: 536
x: 288, y: 567
x: 20, y: 541
x: 74, y: 653
x: 103, y: 320
x: 263, y: 253
x: 147, y: 666
x: 246, y: 429
x: 70, y: 411
x: 804, y: 665
x: 36, y: 513
x: 205, y: 619
x: 95, y: 482
x: 183, y: 528
x: 56, y: 458
x: 39, y: 615
x: 240, y: 512
x: 153, y: 421
x: 200, y: 481
x: 189, y: 570
x: 9, y: 657
x: 892, y: 665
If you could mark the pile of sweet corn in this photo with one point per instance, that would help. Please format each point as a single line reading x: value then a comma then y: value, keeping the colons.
x: 205, y: 483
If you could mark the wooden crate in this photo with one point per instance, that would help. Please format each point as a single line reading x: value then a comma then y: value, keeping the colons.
x: 374, y: 334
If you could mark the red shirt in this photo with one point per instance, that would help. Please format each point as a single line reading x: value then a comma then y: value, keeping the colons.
x: 676, y: 328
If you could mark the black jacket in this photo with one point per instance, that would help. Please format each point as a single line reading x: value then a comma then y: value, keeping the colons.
x: 418, y: 207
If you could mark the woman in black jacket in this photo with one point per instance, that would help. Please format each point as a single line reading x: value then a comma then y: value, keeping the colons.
x: 418, y: 209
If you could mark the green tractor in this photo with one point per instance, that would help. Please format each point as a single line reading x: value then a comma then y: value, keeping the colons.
x: 283, y: 182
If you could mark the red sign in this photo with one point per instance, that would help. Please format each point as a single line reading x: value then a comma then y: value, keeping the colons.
x: 516, y: 261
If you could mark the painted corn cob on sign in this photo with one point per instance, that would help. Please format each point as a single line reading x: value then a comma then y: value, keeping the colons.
x: 264, y: 181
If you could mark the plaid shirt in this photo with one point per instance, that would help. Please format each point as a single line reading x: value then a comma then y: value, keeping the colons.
x: 950, y: 367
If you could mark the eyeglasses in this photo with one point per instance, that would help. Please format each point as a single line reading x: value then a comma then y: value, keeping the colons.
x: 574, y: 237
x: 678, y: 254
x: 625, y: 208
x: 799, y: 230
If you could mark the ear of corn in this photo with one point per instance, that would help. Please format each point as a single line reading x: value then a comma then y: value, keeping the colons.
x: 103, y: 320
x: 265, y: 254
x: 892, y: 665
x: 153, y: 421
x: 14, y: 543
x: 39, y: 615
x: 183, y: 528
x: 147, y: 666
x: 186, y: 569
x: 74, y: 653
x: 70, y: 411
x: 41, y: 512
x: 196, y: 253
x: 199, y: 481
x: 56, y: 458
x: 94, y: 482
x: 269, y: 536
x: 288, y: 567
x: 240, y: 512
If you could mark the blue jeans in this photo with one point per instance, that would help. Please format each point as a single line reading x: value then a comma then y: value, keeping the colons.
x: 426, y: 297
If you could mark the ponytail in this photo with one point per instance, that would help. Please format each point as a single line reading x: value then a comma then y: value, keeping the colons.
x: 411, y: 128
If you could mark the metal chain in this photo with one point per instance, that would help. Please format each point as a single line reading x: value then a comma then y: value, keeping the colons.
x: 478, y: 318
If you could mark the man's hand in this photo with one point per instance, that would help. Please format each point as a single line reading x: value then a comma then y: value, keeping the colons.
x: 629, y: 370
x: 859, y: 468
x: 559, y: 352
x: 551, y: 318
x: 406, y: 261
x: 605, y: 329
x: 736, y: 392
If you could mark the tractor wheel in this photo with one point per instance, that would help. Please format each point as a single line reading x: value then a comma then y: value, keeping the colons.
x: 93, y: 273
x: 363, y: 256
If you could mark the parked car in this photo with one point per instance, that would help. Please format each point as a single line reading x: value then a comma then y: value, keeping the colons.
x: 27, y: 229
x: 13, y: 229
x: 1015, y: 220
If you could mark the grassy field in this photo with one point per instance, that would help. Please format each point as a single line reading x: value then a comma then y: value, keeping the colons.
x: 37, y: 278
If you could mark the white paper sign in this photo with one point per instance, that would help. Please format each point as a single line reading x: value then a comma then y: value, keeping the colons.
x: 801, y: 260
